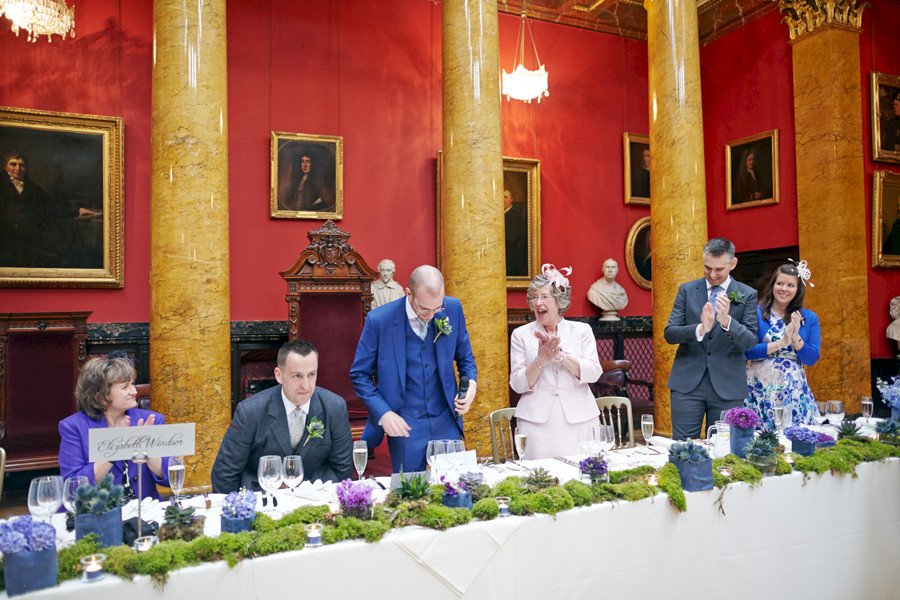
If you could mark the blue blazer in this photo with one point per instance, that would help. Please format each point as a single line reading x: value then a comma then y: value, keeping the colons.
x: 720, y: 351
x: 381, y: 352
x: 809, y: 333
x: 260, y: 427
x: 73, y: 452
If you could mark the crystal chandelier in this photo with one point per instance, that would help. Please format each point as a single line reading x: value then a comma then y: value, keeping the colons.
x: 523, y: 84
x: 40, y: 17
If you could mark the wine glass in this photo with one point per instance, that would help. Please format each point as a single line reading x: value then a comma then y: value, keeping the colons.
x: 521, y: 440
x: 647, y: 428
x: 821, y: 412
x: 458, y: 455
x: 45, y: 496
x: 70, y: 490
x: 360, y: 456
x: 176, y: 476
x: 835, y: 413
x: 867, y: 407
x: 607, y: 438
x: 433, y: 453
x: 270, y: 474
x: 293, y: 471
x: 586, y: 437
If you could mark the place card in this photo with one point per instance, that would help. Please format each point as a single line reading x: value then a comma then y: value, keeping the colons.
x: 121, y: 443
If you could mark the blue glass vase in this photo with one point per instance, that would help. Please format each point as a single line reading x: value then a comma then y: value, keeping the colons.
x: 694, y: 476
x: 107, y: 526
x: 236, y: 524
x: 461, y: 500
x: 740, y: 437
x: 803, y: 448
x: 29, y: 571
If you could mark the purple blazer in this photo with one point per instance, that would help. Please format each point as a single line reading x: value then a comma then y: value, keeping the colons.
x: 73, y: 452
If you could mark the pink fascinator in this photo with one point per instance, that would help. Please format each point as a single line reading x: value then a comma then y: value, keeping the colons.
x: 556, y: 278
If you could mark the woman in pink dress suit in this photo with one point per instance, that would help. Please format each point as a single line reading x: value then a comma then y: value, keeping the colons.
x: 552, y: 364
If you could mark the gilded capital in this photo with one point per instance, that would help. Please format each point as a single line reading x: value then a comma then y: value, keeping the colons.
x: 806, y: 16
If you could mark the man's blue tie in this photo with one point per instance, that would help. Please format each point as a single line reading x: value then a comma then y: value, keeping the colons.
x: 713, y: 292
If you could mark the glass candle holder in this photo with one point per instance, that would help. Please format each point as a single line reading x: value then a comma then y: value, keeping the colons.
x: 92, y: 567
x: 503, y: 503
x: 142, y: 544
x: 313, y: 535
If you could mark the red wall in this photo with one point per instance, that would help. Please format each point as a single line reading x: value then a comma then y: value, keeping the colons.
x: 374, y: 77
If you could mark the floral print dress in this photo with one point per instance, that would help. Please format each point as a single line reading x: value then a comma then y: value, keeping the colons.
x: 779, y: 376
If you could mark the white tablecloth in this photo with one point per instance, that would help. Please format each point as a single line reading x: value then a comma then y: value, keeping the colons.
x: 834, y: 537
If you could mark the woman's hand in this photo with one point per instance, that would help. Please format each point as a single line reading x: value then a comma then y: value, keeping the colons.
x: 548, y: 347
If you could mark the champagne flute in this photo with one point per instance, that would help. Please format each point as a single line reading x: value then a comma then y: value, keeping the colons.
x: 867, y: 407
x: 293, y: 471
x: 647, y: 428
x: 70, y: 490
x: 778, y: 414
x: 270, y: 473
x: 360, y: 457
x: 176, y: 476
x: 521, y: 441
x: 45, y: 496
x: 835, y: 413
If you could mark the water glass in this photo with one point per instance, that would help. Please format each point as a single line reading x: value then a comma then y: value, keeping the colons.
x: 434, y: 454
x: 360, y: 457
x: 821, y: 412
x: 70, y: 490
x: 835, y: 413
x: 587, y: 438
x: 607, y: 438
x: 867, y: 407
x: 270, y: 473
x: 45, y: 496
x: 293, y: 471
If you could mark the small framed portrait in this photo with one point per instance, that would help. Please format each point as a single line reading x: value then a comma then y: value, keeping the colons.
x: 637, y: 253
x: 307, y: 176
x: 522, y: 219
x: 751, y: 171
x: 61, y: 219
x: 885, y: 117
x: 637, y: 168
x: 885, y: 219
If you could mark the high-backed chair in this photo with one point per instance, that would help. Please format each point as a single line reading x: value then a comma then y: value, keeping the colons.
x: 501, y: 434
x: 2, y: 469
x: 616, y: 411
x: 143, y: 395
x: 615, y: 381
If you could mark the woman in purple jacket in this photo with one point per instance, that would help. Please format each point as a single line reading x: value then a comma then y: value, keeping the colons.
x: 789, y: 338
x: 106, y: 397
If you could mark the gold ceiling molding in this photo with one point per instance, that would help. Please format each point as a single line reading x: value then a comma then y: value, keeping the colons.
x: 806, y: 16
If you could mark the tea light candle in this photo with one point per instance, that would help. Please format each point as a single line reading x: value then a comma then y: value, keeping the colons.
x: 503, y: 503
x: 92, y: 567
x: 788, y: 459
x: 725, y: 471
x: 653, y: 481
x: 142, y: 544
x: 313, y: 535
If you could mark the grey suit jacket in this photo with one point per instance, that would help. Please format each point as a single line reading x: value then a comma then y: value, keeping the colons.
x: 260, y: 427
x: 721, y: 351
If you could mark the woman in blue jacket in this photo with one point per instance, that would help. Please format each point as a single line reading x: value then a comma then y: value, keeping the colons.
x: 789, y: 338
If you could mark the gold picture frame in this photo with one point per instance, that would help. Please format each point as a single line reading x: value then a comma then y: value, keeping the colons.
x: 746, y: 188
x: 307, y: 176
x: 522, y: 222
x: 885, y: 118
x: 64, y: 227
x: 885, y: 219
x: 637, y: 168
x: 637, y: 253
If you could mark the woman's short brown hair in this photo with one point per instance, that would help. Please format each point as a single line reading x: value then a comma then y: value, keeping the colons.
x: 97, y: 377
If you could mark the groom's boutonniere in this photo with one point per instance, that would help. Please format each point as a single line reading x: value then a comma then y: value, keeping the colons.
x: 314, y: 429
x: 737, y: 297
x: 443, y: 327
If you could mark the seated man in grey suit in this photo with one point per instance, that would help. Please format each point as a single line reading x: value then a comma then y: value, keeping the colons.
x: 295, y: 417
x: 713, y: 321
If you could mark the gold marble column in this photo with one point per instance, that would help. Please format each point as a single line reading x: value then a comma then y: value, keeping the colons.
x: 472, y: 194
x: 189, y: 286
x: 831, y: 201
x: 677, y: 179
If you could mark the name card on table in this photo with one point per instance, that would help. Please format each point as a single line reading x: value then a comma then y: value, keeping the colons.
x: 120, y: 443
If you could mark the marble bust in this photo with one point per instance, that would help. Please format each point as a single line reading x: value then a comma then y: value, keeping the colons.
x: 606, y: 294
x: 385, y: 289
x: 893, y: 330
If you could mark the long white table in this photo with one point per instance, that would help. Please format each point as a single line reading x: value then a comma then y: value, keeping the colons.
x: 834, y: 537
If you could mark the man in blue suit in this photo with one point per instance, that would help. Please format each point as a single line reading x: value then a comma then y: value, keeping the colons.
x: 411, y: 357
x: 294, y: 418
x: 713, y: 321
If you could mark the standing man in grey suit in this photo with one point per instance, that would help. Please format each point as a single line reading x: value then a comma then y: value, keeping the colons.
x: 713, y: 321
x: 295, y: 417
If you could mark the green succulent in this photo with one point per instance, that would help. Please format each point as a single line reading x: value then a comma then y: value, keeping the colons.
x: 888, y: 427
x: 100, y: 498
x: 540, y: 478
x: 770, y: 436
x: 848, y: 429
x: 759, y: 447
x: 178, y: 516
x: 412, y: 488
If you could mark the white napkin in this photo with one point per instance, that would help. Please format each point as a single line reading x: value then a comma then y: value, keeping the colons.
x: 658, y: 440
x: 316, y: 491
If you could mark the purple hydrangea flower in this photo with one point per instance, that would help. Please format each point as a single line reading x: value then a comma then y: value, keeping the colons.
x: 594, y: 465
x: 824, y: 437
x: 239, y: 505
x: 354, y: 498
x: 13, y: 542
x: 24, y: 534
x: 801, y: 434
x: 744, y: 418
x: 41, y: 537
